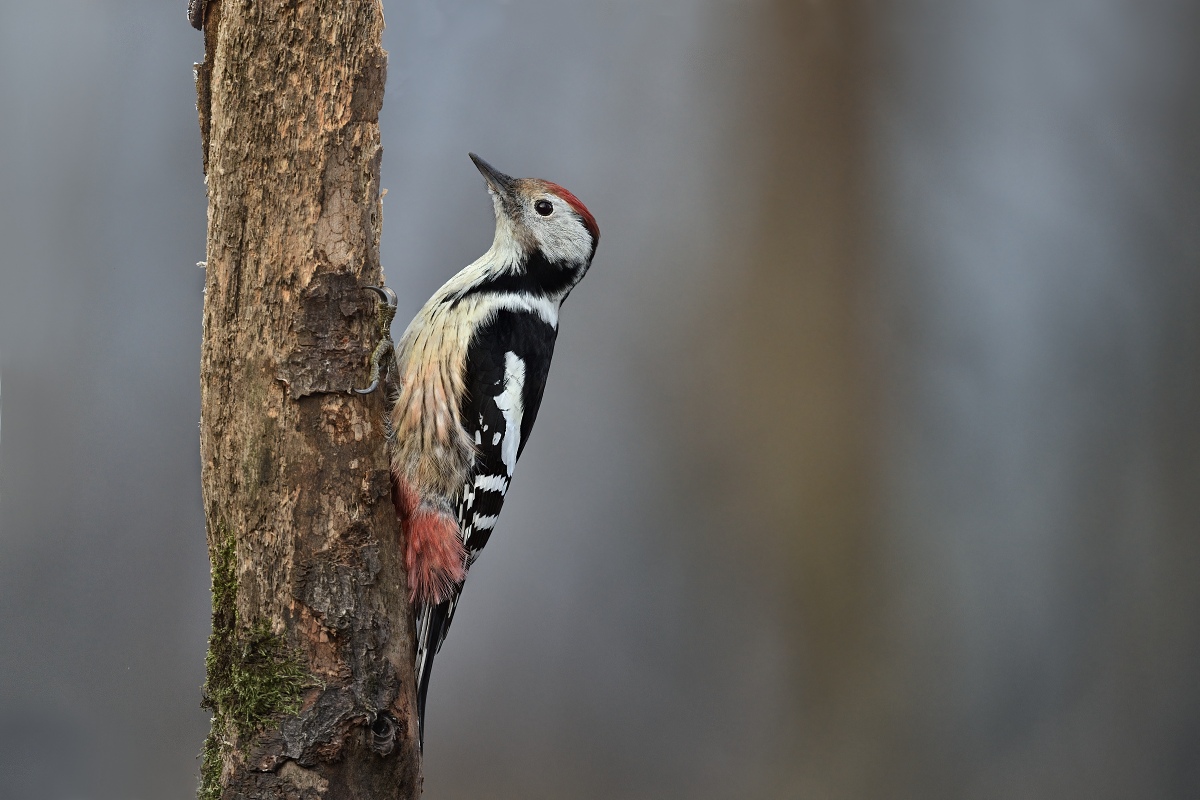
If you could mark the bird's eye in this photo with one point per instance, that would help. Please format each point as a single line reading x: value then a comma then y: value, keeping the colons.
x: 543, y: 207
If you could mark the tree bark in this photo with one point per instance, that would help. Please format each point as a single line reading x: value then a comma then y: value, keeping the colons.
x: 310, y: 661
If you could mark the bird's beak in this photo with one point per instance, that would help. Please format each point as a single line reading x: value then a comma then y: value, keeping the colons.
x: 497, y: 181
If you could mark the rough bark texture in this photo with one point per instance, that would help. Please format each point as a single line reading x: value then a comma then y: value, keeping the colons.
x: 310, y: 665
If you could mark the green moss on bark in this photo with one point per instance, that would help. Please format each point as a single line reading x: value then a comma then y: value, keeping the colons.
x: 251, y: 673
x: 211, y: 759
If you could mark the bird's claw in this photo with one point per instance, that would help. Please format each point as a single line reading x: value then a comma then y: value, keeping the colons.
x: 384, y: 315
x: 385, y: 294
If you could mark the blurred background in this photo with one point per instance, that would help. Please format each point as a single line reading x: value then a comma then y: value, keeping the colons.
x: 869, y: 466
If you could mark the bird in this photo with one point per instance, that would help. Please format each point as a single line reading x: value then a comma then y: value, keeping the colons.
x: 463, y: 387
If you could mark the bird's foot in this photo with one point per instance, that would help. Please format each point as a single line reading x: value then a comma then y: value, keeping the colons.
x: 382, y: 357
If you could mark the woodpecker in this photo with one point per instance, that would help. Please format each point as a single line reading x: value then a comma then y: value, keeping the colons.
x: 464, y: 385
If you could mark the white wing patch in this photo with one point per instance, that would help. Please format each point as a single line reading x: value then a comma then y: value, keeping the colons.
x: 509, y: 403
x: 491, y: 483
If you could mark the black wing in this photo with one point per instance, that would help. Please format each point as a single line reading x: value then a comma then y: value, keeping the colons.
x: 507, y: 364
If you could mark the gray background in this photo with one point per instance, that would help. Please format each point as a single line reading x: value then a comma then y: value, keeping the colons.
x: 868, y: 467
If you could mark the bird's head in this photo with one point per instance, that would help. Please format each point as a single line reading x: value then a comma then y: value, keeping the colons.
x: 539, y: 221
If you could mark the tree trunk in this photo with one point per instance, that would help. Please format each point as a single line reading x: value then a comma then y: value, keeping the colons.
x: 310, y: 661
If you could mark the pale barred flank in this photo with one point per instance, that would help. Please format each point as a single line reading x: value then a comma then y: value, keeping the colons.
x: 432, y: 451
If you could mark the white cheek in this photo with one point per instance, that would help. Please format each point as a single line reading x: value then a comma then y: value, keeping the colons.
x: 561, y: 238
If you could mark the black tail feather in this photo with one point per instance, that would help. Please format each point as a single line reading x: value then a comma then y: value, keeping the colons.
x: 433, y: 635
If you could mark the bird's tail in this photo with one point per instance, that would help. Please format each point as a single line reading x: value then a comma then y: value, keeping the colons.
x: 432, y: 624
